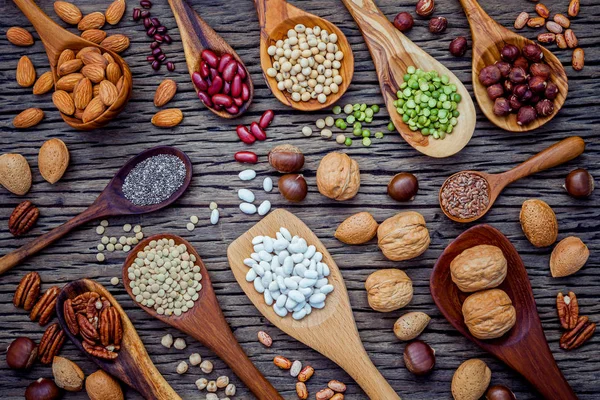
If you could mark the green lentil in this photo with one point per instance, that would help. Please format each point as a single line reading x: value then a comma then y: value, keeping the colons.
x: 366, y: 133
x: 366, y: 142
x: 348, y: 109
x: 336, y: 110
x: 348, y: 142
x: 391, y: 127
x: 379, y: 135
x: 350, y: 119
x: 375, y: 108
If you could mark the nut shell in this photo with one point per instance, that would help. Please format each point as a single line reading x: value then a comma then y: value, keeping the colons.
x: 403, y: 236
x: 67, y: 374
x: 101, y: 386
x: 569, y: 255
x: 338, y: 176
x: 480, y: 267
x: 15, y: 174
x: 411, y: 325
x: 388, y: 290
x: 471, y: 380
x: 538, y: 222
x: 53, y: 160
x: 489, y: 314
x: 357, y: 229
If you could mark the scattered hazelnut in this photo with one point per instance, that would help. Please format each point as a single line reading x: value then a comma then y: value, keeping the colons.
x: 526, y: 115
x: 551, y: 91
x: 424, y: 8
x: 403, y: 187
x: 419, y: 357
x: 403, y: 22
x: 21, y: 353
x: 499, y: 392
x: 540, y: 69
x: 501, y: 107
x: 489, y: 75
x: 42, y: 389
x: 458, y: 46
x: 579, y: 183
x: 521, y: 62
x: 438, y: 24
x: 537, y: 84
x: 286, y: 158
x: 514, y: 103
x: 504, y: 68
x: 517, y: 75
x: 293, y: 187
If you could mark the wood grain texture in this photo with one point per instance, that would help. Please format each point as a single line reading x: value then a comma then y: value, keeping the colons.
x: 315, y: 329
x: 210, y: 142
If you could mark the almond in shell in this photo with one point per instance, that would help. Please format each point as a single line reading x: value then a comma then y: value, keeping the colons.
x: 15, y: 174
x: 115, y: 12
x: 167, y: 118
x: 28, y: 118
x: 68, y: 12
x: 116, y: 43
x: 94, y: 20
x: 569, y: 255
x: 539, y: 223
x: 165, y: 92
x: 113, y: 72
x: 82, y: 94
x: 94, y: 35
x: 94, y: 109
x: 44, y: 83
x: 94, y: 72
x: 19, y: 36
x: 357, y: 229
x: 471, y: 380
x: 69, y: 67
x: 107, y: 92
x: 69, y: 82
x: 64, y: 102
x: 411, y: 325
x: 25, y: 72
x: 53, y: 160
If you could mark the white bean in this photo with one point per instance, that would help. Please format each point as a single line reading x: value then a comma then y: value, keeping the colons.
x: 247, y: 175
x: 214, y: 216
x: 264, y: 207
x: 248, y: 208
x: 268, y: 184
x: 246, y: 195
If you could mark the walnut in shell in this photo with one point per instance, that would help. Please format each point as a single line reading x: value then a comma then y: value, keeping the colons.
x: 489, y: 314
x: 388, y: 290
x: 403, y: 236
x: 480, y: 267
x: 338, y: 176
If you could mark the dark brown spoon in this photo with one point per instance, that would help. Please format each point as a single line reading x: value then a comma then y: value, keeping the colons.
x: 524, y: 348
x: 205, y: 322
x: 133, y: 365
x: 110, y: 202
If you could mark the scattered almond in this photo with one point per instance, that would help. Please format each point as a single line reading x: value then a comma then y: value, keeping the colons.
x: 68, y: 67
x: 569, y: 255
x: 108, y: 93
x: 115, y: 12
x: 411, y: 325
x: 94, y: 20
x: 167, y: 118
x: 69, y: 82
x: 94, y: 72
x: 66, y: 55
x: 19, y: 36
x: 44, y: 83
x: 116, y: 43
x: 357, y: 229
x: 28, y: 118
x: 94, y: 109
x: 68, y: 12
x: 113, y: 72
x: 25, y: 72
x: 15, y: 174
x: 63, y: 101
x: 94, y: 35
x: 82, y: 94
x: 165, y: 92
x: 53, y: 160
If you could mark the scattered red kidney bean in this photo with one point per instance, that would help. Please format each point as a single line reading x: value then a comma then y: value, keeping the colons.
x: 156, y: 31
x: 246, y: 157
x: 266, y: 119
x: 257, y: 131
x: 244, y: 134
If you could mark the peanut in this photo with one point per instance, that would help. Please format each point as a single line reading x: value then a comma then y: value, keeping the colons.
x: 578, y: 59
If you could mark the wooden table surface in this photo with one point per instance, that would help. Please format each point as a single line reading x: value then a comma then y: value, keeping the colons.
x: 211, y: 142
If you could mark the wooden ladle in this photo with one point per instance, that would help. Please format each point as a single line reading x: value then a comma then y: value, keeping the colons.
x: 55, y: 40
x: 276, y: 17
x: 392, y: 54
x: 205, y: 322
x: 559, y: 153
x: 133, y: 365
x: 197, y: 35
x: 110, y: 202
x: 332, y: 330
x: 524, y: 347
x: 488, y: 39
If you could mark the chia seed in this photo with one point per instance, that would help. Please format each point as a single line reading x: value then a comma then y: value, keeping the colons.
x: 465, y: 195
x: 154, y: 180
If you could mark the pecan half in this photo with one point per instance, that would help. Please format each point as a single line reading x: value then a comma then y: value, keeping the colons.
x: 110, y: 327
x: 44, y: 309
x: 568, y: 310
x: 28, y: 291
x: 583, y: 331
x: 23, y: 218
x: 70, y: 318
x: 51, y: 343
x: 88, y: 332
x: 80, y: 302
x: 99, y: 351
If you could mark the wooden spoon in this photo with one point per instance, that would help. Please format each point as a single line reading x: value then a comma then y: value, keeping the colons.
x: 197, y: 35
x: 559, y: 153
x: 392, y: 54
x: 276, y: 17
x: 524, y: 347
x: 110, y: 202
x: 133, y: 365
x: 55, y: 40
x: 332, y: 330
x: 488, y: 39
x: 205, y: 322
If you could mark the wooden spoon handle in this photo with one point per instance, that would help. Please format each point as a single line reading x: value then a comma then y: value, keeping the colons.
x: 561, y: 152
x: 272, y: 12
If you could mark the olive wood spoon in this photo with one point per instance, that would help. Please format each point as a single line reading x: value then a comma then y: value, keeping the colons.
x: 524, y: 348
x: 206, y: 323
x: 332, y: 330
x: 55, y: 40
x: 197, y: 35
x: 110, y: 202
x: 133, y: 365
x: 559, y: 153
x: 488, y: 39
x: 392, y: 54
x: 276, y: 17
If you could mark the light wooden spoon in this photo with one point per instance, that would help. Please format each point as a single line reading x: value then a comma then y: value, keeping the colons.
x: 276, y: 17
x: 133, y: 365
x: 558, y: 153
x: 332, y: 330
x: 55, y: 40
x: 392, y: 54
x: 205, y: 322
x: 488, y: 39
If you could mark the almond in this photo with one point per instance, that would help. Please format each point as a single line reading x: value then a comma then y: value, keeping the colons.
x: 96, y: 90
x: 28, y: 118
x: 113, y: 72
x: 94, y: 109
x: 94, y: 35
x: 53, y: 160
x: 90, y: 58
x: 95, y: 72
x: 68, y: 67
x: 66, y: 55
x: 25, y: 72
x: 569, y: 255
x: 44, y: 83
x: 357, y: 229
x: 165, y: 92
x: 538, y: 222
x: 108, y: 57
x: 115, y: 12
x: 19, y: 36
x: 82, y: 94
x: 78, y: 113
x: 15, y: 174
x: 116, y: 43
x: 69, y: 82
x: 63, y: 101
x: 94, y: 20
x: 120, y: 83
x: 167, y: 118
x: 68, y: 12
x: 86, y: 50
x: 107, y: 93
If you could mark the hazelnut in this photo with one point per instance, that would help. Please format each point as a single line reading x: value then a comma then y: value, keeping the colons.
x: 537, y: 84
x: 495, y: 91
x: 489, y: 314
x: 388, y: 290
x: 403, y: 22
x: 42, y: 389
x: 67, y: 374
x: 293, y: 187
x: 438, y: 24
x: 499, y: 392
x: 338, y: 176
x: 551, y: 91
x: 424, y: 8
x: 517, y: 75
x: 544, y: 108
x: 510, y: 52
x: 514, y: 103
x: 501, y: 107
x: 540, y: 69
x: 403, y: 187
x: 521, y: 62
x: 489, y: 75
x: 286, y: 158
x: 21, y: 353
x: 526, y: 115
x: 579, y: 183
x: 102, y: 386
x: 458, y: 46
x: 504, y: 68
x: 419, y: 357
x: 533, y: 52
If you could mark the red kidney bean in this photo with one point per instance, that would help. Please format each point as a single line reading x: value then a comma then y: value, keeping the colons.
x: 246, y: 157
x: 230, y: 70
x: 266, y: 119
x: 161, y: 57
x: 210, y: 57
x: 158, y: 37
x: 257, y: 131
x: 200, y: 83
x: 137, y: 13
x: 145, y: 14
x: 214, y: 73
x: 221, y: 99
x: 226, y: 88
x: 244, y: 134
x: 156, y: 65
x: 171, y: 66
x: 161, y: 29
x: 150, y: 58
x: 233, y: 109
x: 154, y: 45
x: 241, y: 71
x: 205, y: 99
x: 156, y: 51
x: 155, y: 21
x: 225, y: 58
x: 204, y: 70
x: 216, y: 86
x: 151, y: 31
x: 236, y: 86
x: 145, y: 4
x: 238, y: 101
x: 245, y: 92
x: 168, y: 40
x: 147, y: 23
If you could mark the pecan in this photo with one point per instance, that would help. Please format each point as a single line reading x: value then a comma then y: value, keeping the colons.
x: 28, y: 291
x: 23, y: 218
x: 568, y: 310
x: 583, y: 331
x: 44, y: 309
x: 80, y: 302
x: 51, y: 343
x: 110, y: 327
x: 88, y: 332
x: 99, y: 351
x: 70, y: 318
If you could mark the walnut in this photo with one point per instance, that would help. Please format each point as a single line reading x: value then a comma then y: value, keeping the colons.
x: 388, y: 290
x: 338, y: 176
x: 477, y: 268
x: 489, y: 314
x: 403, y: 236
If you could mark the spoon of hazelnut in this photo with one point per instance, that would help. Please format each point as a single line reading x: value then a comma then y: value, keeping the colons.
x: 519, y: 85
